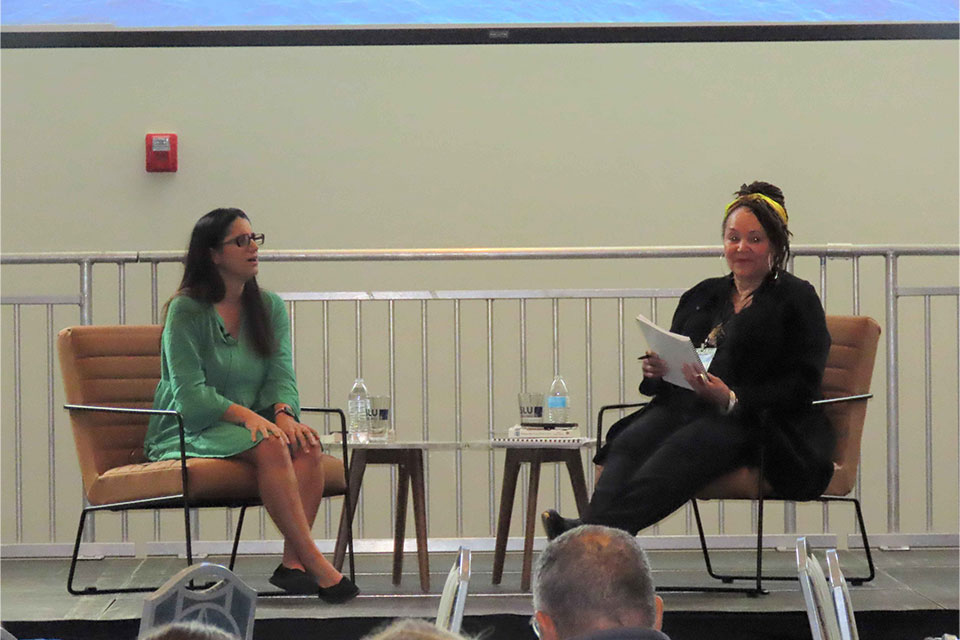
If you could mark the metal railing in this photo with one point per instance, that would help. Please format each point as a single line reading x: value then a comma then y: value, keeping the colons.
x: 494, y: 302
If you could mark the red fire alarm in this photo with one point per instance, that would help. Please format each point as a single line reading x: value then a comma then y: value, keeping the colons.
x: 161, y: 152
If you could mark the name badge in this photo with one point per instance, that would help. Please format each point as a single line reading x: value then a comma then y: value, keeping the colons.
x: 706, y: 356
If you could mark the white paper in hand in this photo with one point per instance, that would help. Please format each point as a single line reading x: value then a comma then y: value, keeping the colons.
x: 673, y: 348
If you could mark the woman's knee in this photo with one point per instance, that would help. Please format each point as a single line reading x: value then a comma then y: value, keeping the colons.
x: 312, y: 457
x: 273, y: 450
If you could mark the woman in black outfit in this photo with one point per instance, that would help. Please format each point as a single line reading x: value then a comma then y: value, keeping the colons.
x: 770, y: 338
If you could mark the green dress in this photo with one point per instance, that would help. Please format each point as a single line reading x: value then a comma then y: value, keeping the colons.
x: 204, y: 370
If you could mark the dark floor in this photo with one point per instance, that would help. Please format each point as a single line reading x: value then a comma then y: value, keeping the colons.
x: 916, y: 589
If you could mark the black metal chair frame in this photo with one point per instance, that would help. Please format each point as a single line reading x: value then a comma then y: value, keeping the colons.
x: 758, y: 577
x: 183, y: 501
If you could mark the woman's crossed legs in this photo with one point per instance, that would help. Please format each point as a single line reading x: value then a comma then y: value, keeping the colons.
x: 291, y: 486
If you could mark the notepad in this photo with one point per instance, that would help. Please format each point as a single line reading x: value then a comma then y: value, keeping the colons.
x: 675, y: 349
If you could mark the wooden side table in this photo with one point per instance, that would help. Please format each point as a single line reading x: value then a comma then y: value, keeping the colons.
x: 408, y: 457
x: 533, y: 452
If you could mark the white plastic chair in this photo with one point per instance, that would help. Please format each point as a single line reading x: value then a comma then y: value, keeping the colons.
x: 841, y: 598
x: 454, y: 595
x: 821, y: 612
x: 228, y: 603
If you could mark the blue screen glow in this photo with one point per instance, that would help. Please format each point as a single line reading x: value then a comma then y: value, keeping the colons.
x: 134, y: 14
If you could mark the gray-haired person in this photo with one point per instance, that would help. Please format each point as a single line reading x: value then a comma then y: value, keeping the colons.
x: 594, y: 583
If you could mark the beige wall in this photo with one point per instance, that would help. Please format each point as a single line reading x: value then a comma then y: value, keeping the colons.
x: 479, y: 146
x: 470, y: 146
x: 580, y: 145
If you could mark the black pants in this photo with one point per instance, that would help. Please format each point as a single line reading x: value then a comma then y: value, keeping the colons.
x: 660, y: 458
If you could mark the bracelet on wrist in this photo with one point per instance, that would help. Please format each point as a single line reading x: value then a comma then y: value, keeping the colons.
x: 731, y: 403
x: 284, y: 409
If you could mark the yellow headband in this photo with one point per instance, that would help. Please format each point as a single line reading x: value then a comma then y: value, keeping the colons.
x: 776, y: 206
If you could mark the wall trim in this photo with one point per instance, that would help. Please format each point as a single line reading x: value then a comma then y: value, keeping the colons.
x: 68, y: 37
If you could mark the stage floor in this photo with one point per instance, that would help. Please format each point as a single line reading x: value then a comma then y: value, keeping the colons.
x: 913, y: 581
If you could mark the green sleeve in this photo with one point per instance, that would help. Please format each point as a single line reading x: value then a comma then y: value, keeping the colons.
x: 184, y: 342
x: 280, y: 383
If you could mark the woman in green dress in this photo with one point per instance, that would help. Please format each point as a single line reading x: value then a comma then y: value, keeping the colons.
x: 226, y: 367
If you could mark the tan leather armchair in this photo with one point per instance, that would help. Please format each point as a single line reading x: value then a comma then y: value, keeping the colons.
x: 110, y: 374
x: 845, y: 390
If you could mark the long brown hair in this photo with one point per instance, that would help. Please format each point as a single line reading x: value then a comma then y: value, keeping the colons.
x: 202, y: 280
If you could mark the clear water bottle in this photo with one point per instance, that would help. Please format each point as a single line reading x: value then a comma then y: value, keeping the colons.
x: 357, y: 404
x: 558, y: 402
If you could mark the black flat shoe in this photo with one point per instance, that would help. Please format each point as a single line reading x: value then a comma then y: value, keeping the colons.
x: 554, y: 524
x: 295, y: 581
x: 340, y: 592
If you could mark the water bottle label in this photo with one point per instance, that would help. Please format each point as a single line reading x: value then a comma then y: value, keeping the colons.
x: 557, y: 402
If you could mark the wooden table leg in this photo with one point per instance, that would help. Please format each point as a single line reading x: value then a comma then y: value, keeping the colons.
x: 531, y: 521
x: 420, y: 515
x: 577, y: 480
x: 358, y: 464
x: 511, y: 469
x: 400, y: 524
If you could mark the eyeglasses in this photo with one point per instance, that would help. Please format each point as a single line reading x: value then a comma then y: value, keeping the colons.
x: 244, y: 240
x: 535, y: 626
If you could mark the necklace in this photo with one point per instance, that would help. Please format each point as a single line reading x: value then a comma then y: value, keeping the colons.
x: 735, y: 304
x: 743, y: 300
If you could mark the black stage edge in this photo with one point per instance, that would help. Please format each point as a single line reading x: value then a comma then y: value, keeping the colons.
x: 481, y: 34
x: 679, y: 625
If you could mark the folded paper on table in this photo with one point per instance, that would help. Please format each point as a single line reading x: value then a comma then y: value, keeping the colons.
x: 673, y: 348
x: 563, y: 430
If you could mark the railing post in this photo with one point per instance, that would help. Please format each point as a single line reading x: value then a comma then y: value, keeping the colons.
x: 154, y: 294
x: 928, y: 407
x: 491, y: 468
x: 893, y: 399
x: 86, y: 292
x: 51, y: 431
x: 86, y: 318
x: 458, y: 411
x: 18, y: 423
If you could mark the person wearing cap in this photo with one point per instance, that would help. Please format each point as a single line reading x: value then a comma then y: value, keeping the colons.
x: 764, y: 334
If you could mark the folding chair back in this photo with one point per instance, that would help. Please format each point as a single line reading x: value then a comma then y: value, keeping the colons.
x: 454, y: 595
x: 841, y: 598
x: 821, y: 613
x: 228, y: 603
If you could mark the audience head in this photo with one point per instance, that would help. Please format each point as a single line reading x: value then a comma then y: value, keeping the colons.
x: 767, y: 203
x: 413, y: 629
x: 188, y: 631
x: 593, y: 578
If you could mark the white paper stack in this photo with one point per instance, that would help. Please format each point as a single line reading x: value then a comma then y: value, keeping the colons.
x: 675, y: 349
x: 567, y: 430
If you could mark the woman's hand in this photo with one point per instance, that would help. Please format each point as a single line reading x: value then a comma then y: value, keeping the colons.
x: 653, y: 365
x: 255, y: 423
x: 299, y: 434
x: 707, y: 386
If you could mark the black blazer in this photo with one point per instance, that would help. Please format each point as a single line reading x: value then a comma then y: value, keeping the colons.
x: 772, y: 355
